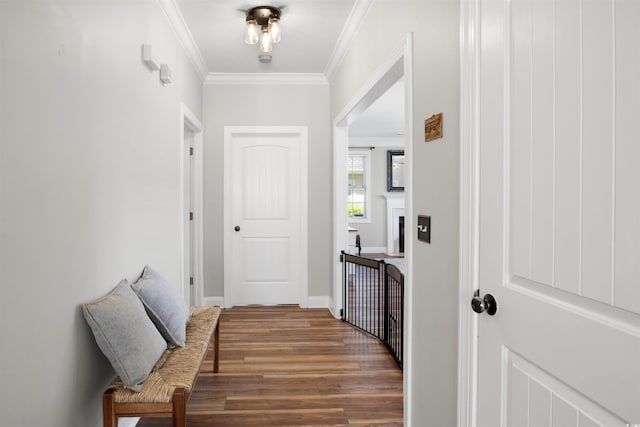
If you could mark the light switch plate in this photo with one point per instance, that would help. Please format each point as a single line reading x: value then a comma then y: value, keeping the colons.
x: 424, y: 228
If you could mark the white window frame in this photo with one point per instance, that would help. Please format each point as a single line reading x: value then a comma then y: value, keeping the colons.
x: 367, y: 190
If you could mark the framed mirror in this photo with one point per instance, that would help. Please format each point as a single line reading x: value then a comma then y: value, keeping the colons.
x: 395, y: 170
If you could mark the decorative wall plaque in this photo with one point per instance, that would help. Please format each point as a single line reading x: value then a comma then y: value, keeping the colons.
x: 433, y: 127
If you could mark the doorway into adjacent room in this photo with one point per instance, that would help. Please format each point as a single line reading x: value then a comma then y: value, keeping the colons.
x: 376, y: 123
x: 397, y: 68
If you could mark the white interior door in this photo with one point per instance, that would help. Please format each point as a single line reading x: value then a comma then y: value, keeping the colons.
x: 191, y: 135
x: 188, y: 153
x: 559, y: 240
x: 266, y: 227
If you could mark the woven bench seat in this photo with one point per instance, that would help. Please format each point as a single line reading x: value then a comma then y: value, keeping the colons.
x: 167, y: 390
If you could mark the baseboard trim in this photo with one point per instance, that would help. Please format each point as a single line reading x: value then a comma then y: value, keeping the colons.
x: 213, y: 301
x: 318, y: 302
x: 335, y: 311
x: 312, y: 302
x: 128, y: 422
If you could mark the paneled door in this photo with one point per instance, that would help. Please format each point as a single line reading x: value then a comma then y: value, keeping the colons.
x: 559, y: 211
x: 266, y: 216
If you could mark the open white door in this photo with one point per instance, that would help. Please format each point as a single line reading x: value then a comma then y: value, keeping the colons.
x: 559, y: 208
x: 265, y: 260
x: 191, y: 136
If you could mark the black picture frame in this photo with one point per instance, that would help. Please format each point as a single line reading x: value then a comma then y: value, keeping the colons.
x: 395, y: 170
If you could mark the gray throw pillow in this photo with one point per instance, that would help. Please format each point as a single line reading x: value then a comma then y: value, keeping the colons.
x: 125, y: 334
x: 164, y: 305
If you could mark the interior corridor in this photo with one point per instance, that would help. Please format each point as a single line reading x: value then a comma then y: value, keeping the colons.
x: 287, y: 366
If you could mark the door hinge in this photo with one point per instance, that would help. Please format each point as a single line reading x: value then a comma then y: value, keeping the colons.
x: 191, y: 151
x: 190, y: 216
x: 342, y: 314
x: 342, y: 256
x: 191, y: 281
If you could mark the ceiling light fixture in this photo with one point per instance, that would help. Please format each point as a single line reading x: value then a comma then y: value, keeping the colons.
x: 263, y: 24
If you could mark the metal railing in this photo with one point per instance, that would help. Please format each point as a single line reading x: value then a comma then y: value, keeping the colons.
x: 373, y: 300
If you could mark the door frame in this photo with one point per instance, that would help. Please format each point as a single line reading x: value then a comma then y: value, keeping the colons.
x: 188, y: 204
x: 398, y: 64
x: 300, y: 132
x: 469, y: 213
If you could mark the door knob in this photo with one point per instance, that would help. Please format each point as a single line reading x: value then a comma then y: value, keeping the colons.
x: 237, y: 228
x: 487, y: 303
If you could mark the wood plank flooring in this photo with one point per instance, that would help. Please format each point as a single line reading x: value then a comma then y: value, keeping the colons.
x: 286, y: 366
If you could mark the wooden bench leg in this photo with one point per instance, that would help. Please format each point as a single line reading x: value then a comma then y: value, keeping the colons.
x: 179, y: 408
x: 216, y: 347
x: 109, y: 418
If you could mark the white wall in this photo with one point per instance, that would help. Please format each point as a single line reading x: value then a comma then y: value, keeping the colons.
x: 89, y: 189
x: 435, y: 27
x: 268, y: 105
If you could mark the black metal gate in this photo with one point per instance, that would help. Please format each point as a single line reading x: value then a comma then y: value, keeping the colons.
x: 373, y: 300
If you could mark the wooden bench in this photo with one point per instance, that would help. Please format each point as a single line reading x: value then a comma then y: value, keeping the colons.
x: 166, y: 392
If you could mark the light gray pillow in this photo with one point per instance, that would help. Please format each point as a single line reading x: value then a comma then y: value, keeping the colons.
x: 125, y: 334
x: 165, y: 307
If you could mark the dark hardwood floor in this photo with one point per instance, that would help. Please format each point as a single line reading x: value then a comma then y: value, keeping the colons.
x: 286, y: 366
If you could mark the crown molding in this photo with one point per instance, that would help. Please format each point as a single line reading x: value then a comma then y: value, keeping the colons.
x: 183, y: 34
x: 270, y: 78
x: 358, y: 12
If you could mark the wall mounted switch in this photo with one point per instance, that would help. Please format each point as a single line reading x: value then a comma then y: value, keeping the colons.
x: 424, y: 228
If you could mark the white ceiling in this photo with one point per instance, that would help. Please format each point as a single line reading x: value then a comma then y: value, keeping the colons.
x: 384, y: 118
x: 310, y: 31
x: 313, y: 34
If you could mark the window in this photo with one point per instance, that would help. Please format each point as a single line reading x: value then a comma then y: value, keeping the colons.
x: 358, y: 195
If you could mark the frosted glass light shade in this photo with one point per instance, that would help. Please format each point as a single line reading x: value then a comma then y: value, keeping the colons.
x: 251, y: 34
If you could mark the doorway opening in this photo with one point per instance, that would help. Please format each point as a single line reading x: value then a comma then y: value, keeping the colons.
x: 398, y: 67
